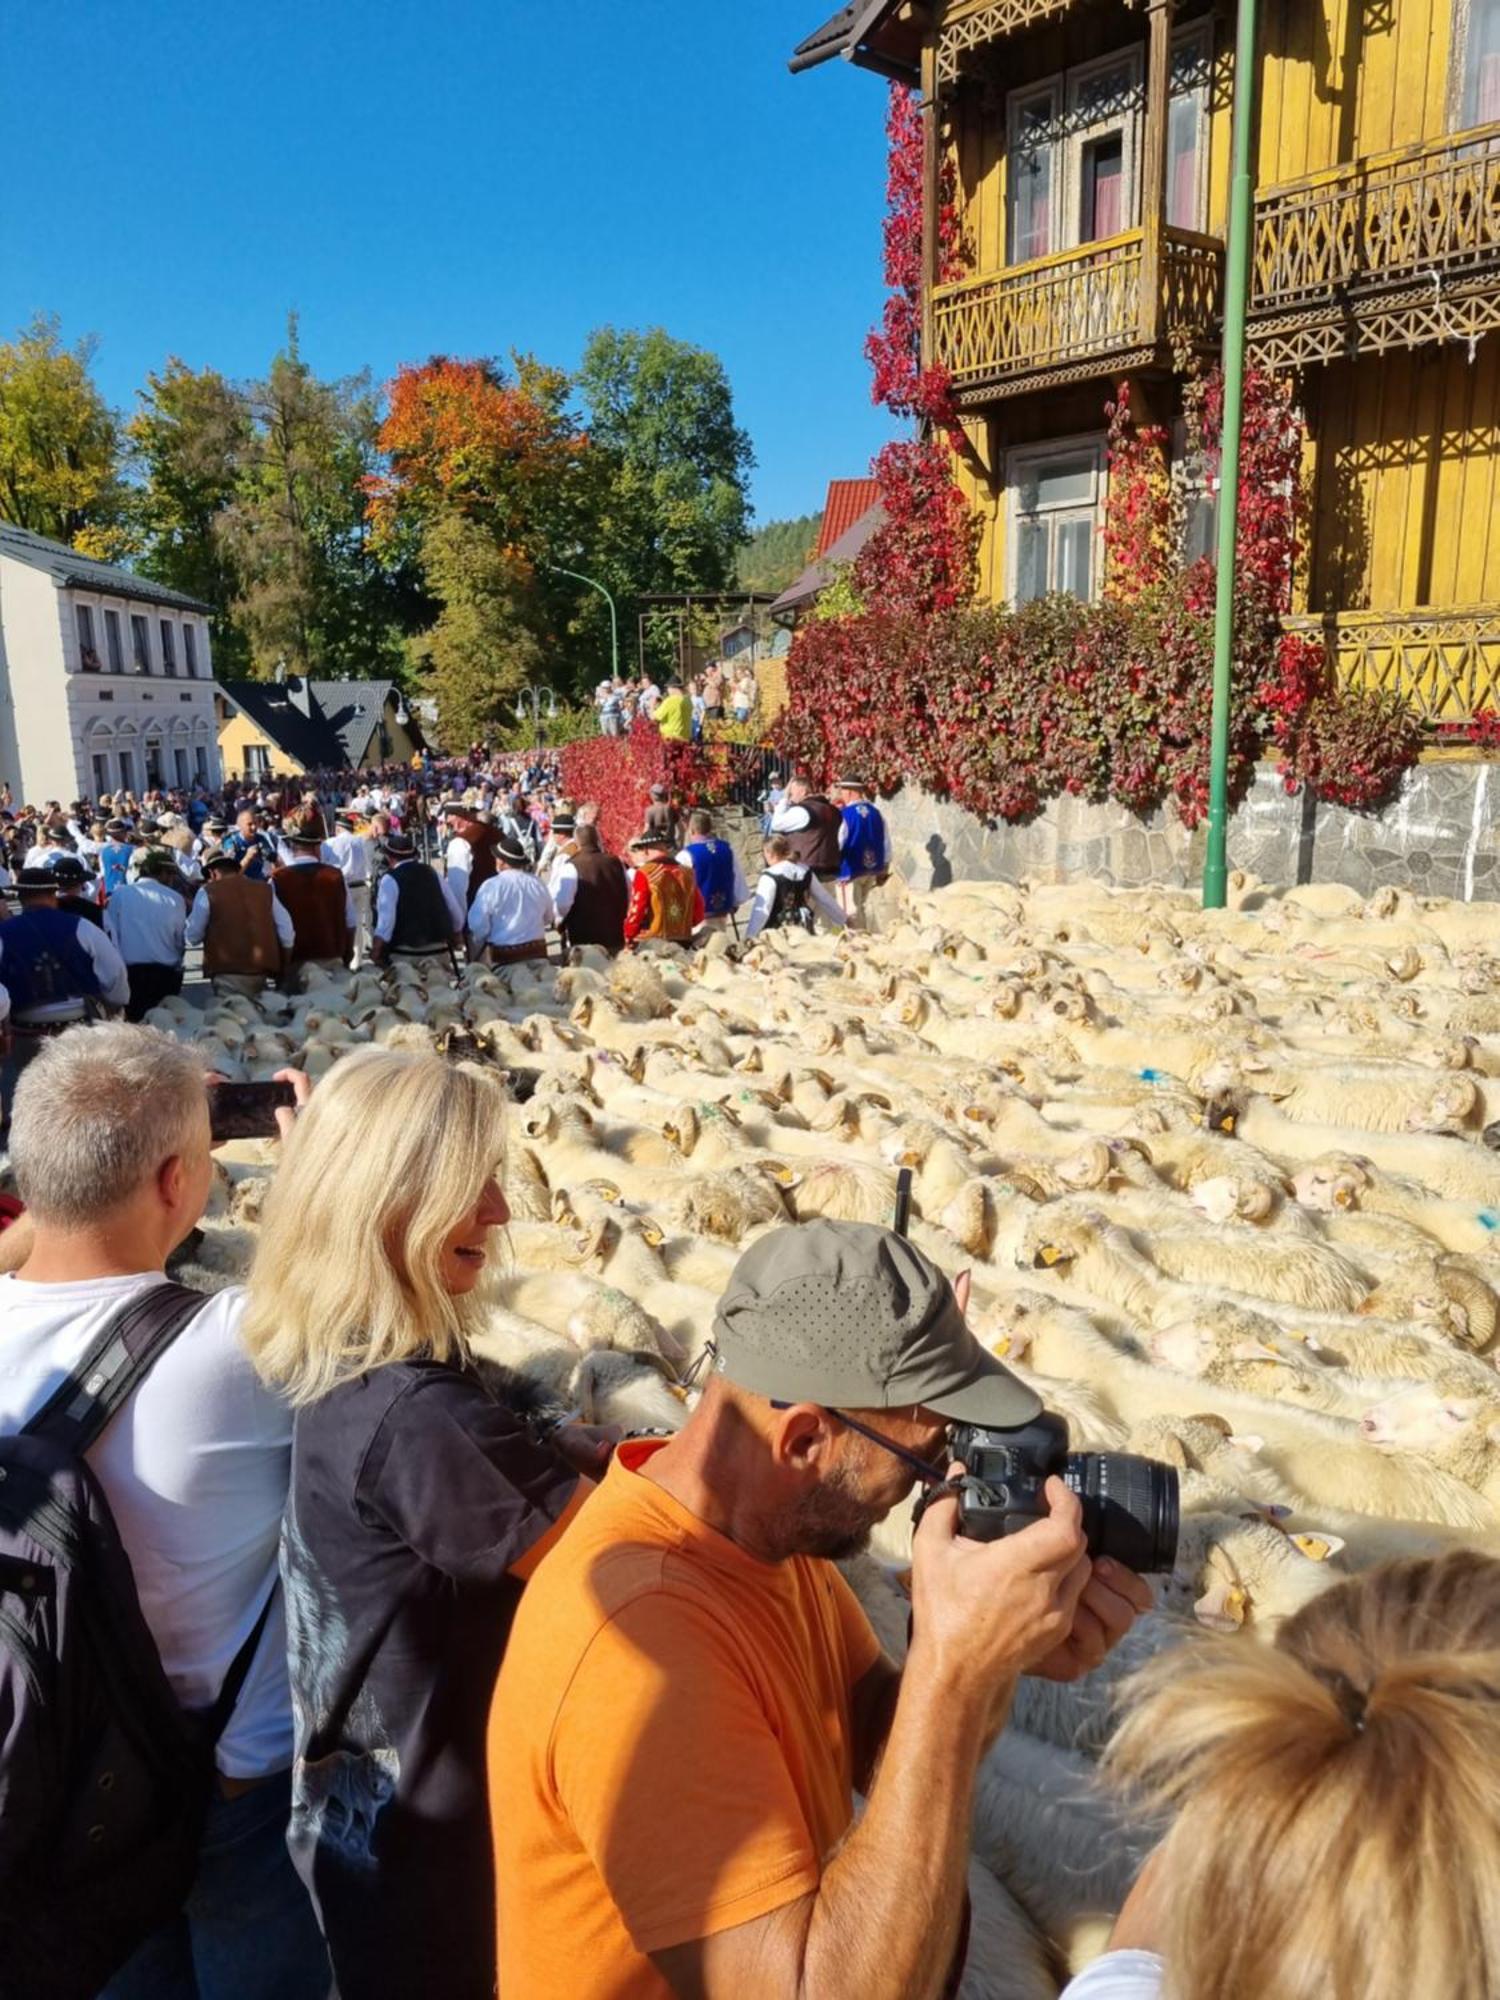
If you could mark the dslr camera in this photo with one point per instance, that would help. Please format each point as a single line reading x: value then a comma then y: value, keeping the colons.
x: 1130, y: 1505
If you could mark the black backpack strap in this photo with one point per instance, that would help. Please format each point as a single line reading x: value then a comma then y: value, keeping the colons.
x: 239, y: 1667
x: 136, y: 1336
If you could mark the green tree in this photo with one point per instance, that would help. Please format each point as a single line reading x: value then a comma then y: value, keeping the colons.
x: 482, y: 647
x: 59, y: 443
x: 777, y: 553
x: 191, y: 440
x: 313, y: 590
x: 672, y: 500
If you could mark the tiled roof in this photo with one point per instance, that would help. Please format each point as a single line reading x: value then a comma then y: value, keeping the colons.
x: 67, y: 567
x: 819, y: 573
x: 846, y: 34
x: 847, y: 500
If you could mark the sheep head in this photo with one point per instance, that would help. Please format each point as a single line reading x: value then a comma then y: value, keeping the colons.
x: 1433, y: 1422
x: 1450, y: 1107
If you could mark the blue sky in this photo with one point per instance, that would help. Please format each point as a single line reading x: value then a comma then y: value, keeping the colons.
x: 460, y: 176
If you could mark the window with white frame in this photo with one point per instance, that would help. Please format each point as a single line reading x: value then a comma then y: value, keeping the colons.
x: 200, y: 758
x: 100, y: 762
x: 168, y: 648
x: 1104, y: 121
x: 257, y: 760
x: 1056, y: 496
x: 140, y: 643
x: 1478, y: 80
x: 1034, y: 171
x: 112, y: 643
x: 1187, y: 127
x: 88, y: 657
x: 190, y: 651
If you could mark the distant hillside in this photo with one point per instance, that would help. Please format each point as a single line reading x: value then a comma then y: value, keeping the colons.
x: 778, y: 553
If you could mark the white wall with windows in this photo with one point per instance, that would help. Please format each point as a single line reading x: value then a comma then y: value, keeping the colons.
x: 99, y: 692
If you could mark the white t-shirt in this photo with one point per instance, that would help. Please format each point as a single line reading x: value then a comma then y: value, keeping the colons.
x: 511, y: 908
x: 1119, y: 1975
x: 195, y: 1469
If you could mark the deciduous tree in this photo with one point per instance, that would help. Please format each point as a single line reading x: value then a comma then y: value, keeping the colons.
x: 59, y: 443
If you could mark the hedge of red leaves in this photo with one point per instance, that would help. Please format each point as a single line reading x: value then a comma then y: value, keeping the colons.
x: 619, y: 771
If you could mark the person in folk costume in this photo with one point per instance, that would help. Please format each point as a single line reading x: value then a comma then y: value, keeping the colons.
x: 660, y: 818
x: 470, y: 856
x: 811, y: 825
x: 417, y: 914
x: 590, y: 889
x: 789, y: 895
x: 665, y: 903
x: 510, y: 917
x: 717, y: 871
x: 316, y: 898
x: 864, y: 848
x: 243, y: 926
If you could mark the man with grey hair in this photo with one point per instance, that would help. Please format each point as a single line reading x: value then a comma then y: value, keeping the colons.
x: 110, y: 1144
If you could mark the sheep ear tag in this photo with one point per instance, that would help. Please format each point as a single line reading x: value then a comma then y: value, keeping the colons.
x: 1222, y: 1607
x: 1049, y: 1254
x: 1317, y: 1548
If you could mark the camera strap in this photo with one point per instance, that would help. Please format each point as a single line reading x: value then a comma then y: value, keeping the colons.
x: 954, y: 1489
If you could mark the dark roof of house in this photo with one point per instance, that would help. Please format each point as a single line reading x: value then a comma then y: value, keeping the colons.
x: 848, y: 500
x: 334, y: 728
x: 848, y: 34
x: 67, y: 567
x: 820, y: 573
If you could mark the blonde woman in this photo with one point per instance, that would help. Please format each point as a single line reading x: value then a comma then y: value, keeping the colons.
x: 418, y: 1506
x: 1336, y: 1799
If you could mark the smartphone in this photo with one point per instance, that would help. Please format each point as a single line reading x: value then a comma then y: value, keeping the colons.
x: 246, y: 1110
x: 902, y: 1221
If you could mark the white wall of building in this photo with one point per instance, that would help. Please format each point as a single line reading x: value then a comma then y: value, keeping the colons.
x: 67, y: 731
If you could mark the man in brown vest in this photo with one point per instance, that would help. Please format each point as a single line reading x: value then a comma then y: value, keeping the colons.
x: 241, y: 924
x: 317, y: 900
x: 664, y: 900
x: 811, y: 825
x: 590, y: 891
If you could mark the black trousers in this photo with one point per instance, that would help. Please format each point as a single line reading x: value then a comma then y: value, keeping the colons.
x: 149, y: 986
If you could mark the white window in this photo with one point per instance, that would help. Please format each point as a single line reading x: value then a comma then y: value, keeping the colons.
x: 88, y: 657
x: 1187, y: 127
x: 1104, y: 123
x: 1034, y: 176
x: 1479, y: 78
x: 140, y: 641
x: 184, y: 773
x: 1056, y: 495
x: 100, y: 761
x: 168, y: 648
x: 154, y: 778
x: 127, y: 771
x: 112, y: 642
x: 257, y: 760
x: 190, y: 650
x: 201, y: 758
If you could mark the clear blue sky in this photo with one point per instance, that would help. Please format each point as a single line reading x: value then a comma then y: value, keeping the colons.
x: 459, y: 176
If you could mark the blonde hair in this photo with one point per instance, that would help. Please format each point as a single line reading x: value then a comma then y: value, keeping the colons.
x: 393, y: 1151
x: 1337, y: 1811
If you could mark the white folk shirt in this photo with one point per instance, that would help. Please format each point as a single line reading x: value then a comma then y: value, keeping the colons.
x: 459, y: 863
x: 198, y: 915
x: 1119, y: 1975
x: 511, y: 908
x: 350, y: 854
x: 562, y: 885
x: 147, y: 923
x: 109, y: 970
x: 195, y: 1469
x: 765, y: 897
x: 386, y: 897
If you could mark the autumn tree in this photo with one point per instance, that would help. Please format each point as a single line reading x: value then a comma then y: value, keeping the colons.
x: 59, y: 443
x: 191, y: 440
x: 314, y: 590
x: 482, y: 647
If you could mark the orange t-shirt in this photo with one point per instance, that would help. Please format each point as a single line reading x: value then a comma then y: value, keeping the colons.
x: 669, y: 1747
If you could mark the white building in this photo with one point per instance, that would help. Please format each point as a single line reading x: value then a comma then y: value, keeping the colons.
x: 106, y: 681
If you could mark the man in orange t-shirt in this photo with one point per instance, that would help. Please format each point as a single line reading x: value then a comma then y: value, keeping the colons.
x: 691, y: 1693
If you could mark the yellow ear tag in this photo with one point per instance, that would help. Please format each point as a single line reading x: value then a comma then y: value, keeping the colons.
x: 1317, y: 1548
x: 1227, y: 1122
x: 1050, y: 1254
x: 1001, y: 1347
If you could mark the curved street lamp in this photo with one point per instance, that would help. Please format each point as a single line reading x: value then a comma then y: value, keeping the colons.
x: 614, y: 627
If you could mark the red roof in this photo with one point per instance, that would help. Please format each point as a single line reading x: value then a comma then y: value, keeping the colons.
x: 848, y: 500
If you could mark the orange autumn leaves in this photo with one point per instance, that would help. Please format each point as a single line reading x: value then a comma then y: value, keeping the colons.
x: 467, y: 437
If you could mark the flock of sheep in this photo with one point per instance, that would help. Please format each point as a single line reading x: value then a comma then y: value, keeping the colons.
x: 1228, y: 1185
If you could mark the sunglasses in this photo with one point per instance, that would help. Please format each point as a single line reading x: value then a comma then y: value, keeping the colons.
x: 920, y: 1466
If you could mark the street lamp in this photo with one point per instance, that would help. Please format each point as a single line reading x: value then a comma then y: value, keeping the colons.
x: 532, y: 695
x: 614, y: 626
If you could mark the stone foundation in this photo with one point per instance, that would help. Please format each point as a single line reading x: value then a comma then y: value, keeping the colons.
x: 1441, y: 837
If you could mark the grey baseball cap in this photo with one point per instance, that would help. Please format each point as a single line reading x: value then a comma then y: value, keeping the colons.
x: 852, y: 1316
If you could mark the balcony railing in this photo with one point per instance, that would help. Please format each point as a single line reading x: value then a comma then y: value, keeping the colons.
x: 1444, y: 664
x: 1076, y: 313
x: 1334, y: 252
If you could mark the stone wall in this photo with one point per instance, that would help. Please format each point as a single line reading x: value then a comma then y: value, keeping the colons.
x: 1440, y: 838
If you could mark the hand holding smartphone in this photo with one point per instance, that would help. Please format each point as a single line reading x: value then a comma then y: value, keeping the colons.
x: 247, y: 1110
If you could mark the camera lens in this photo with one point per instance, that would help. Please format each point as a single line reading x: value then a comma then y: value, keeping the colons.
x: 1130, y: 1507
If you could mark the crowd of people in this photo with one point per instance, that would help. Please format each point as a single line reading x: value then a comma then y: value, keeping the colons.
x: 683, y: 709
x: 497, y: 1699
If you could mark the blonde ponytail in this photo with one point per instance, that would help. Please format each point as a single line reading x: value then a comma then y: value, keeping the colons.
x: 1335, y: 1796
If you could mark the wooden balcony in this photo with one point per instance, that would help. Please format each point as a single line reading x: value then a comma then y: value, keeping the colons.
x: 1444, y: 664
x: 1076, y: 314
x: 1390, y: 251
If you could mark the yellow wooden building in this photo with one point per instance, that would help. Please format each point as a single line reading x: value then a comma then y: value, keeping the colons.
x: 1089, y: 143
x: 286, y: 728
